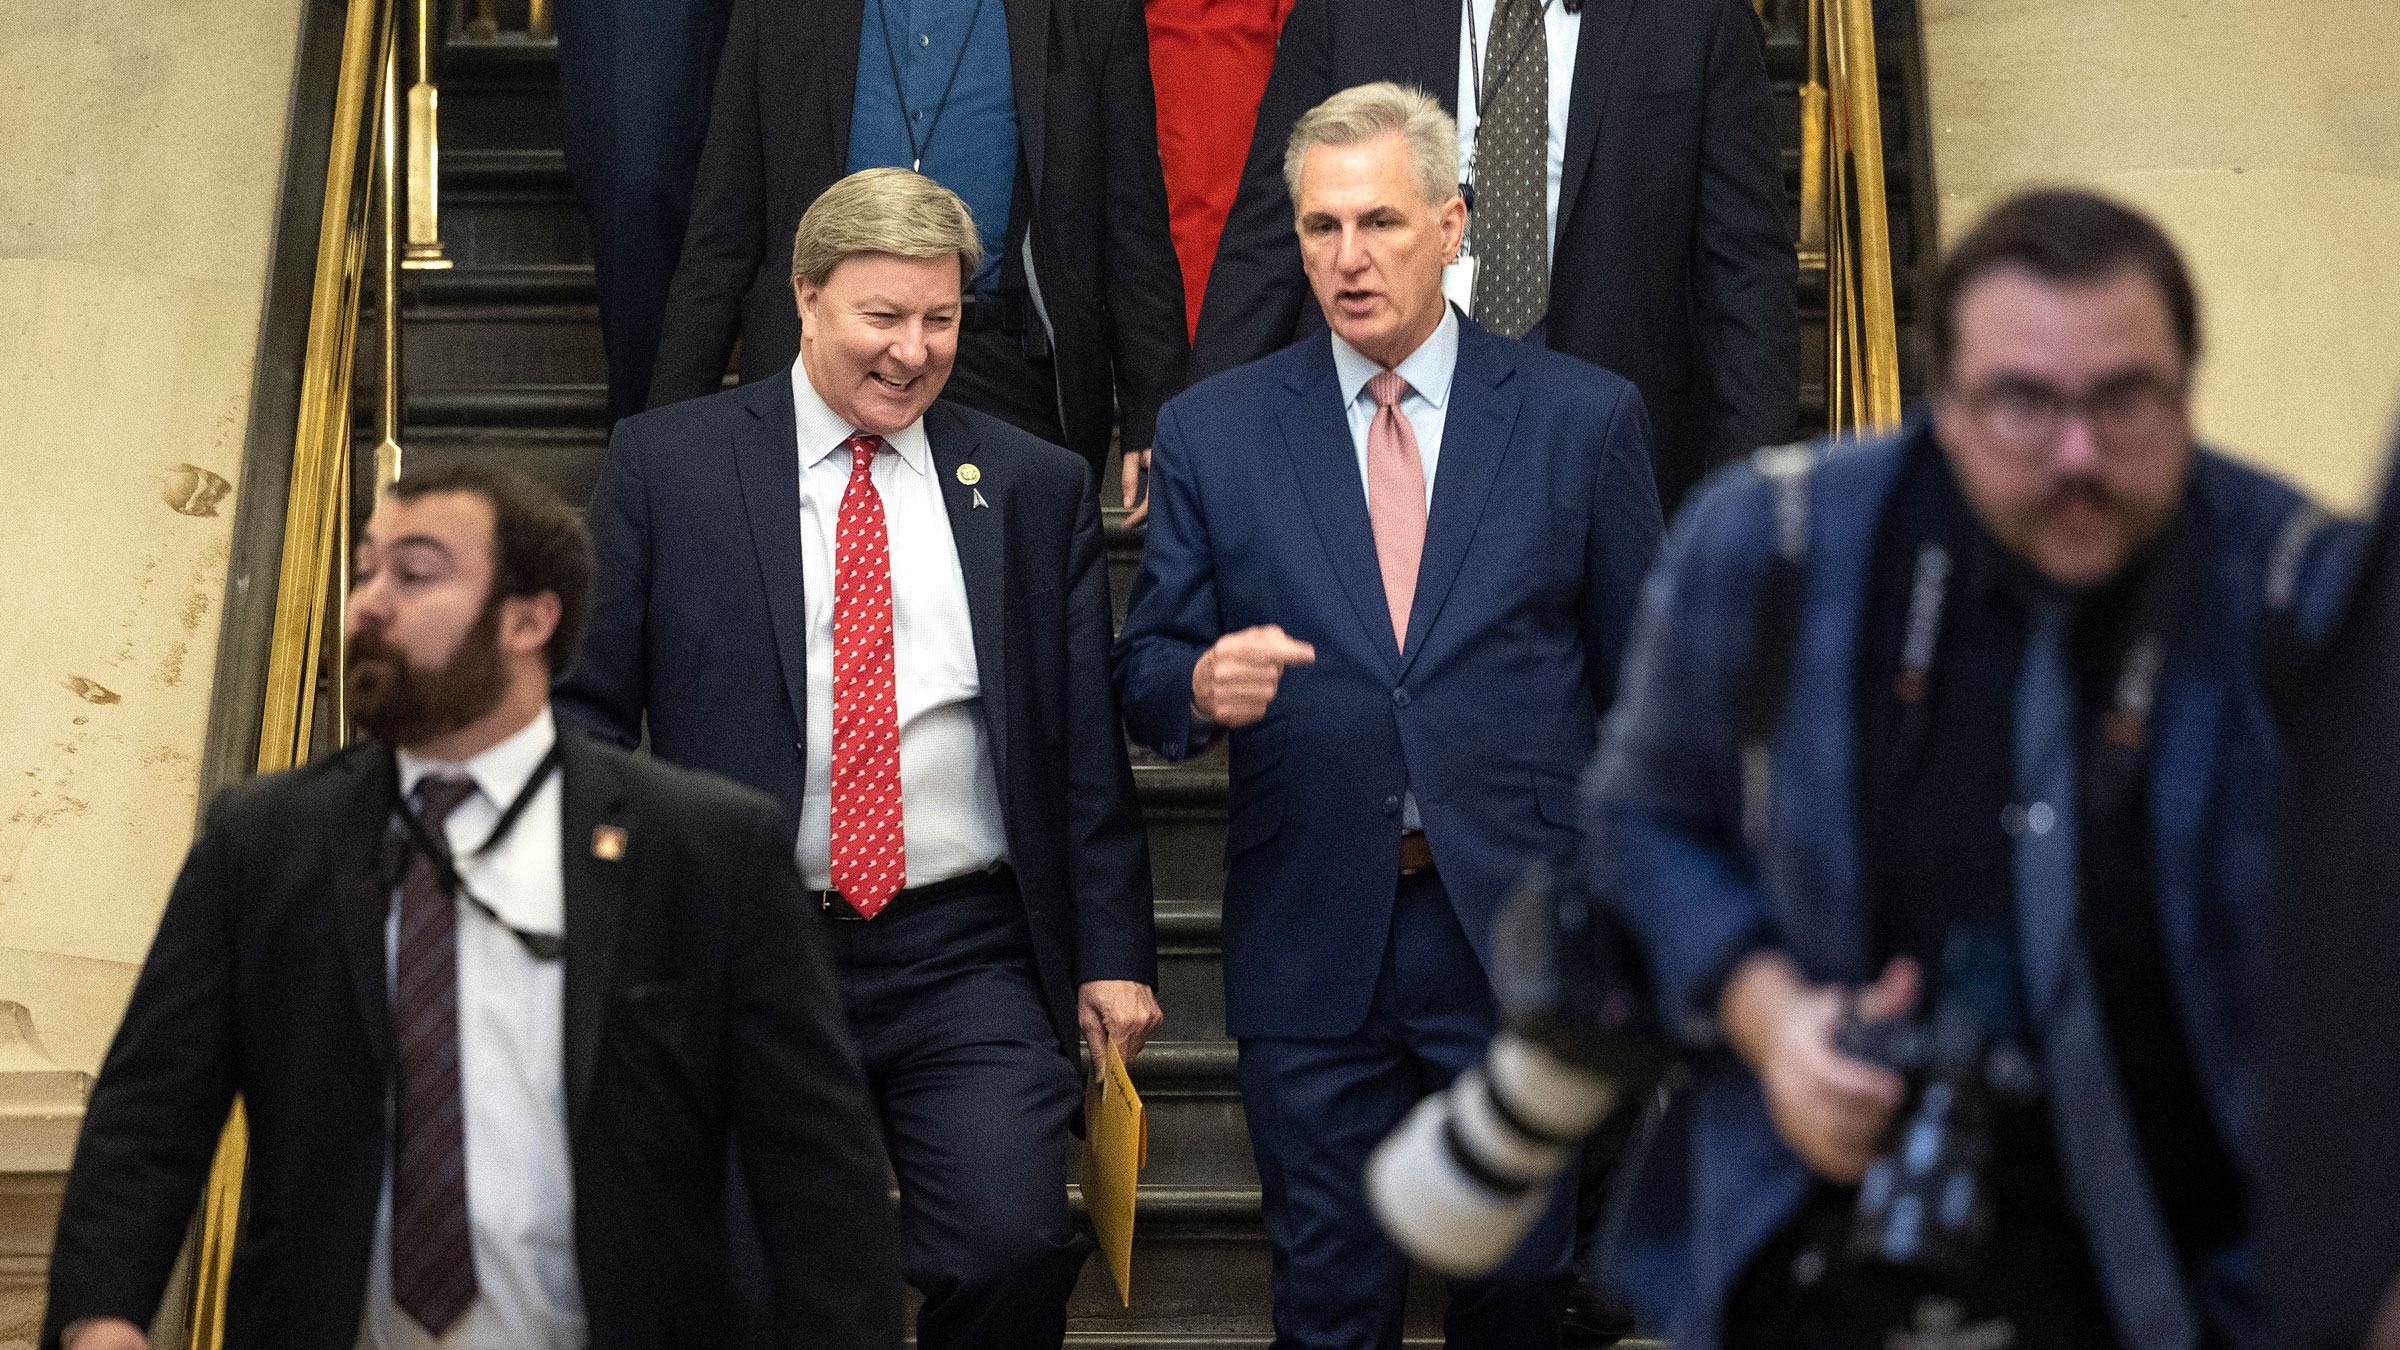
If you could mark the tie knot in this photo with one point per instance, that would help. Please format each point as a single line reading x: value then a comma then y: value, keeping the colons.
x: 1387, y: 387
x: 863, y: 450
x: 437, y: 797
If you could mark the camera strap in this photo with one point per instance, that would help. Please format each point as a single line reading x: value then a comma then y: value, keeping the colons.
x: 540, y: 946
x: 2123, y: 737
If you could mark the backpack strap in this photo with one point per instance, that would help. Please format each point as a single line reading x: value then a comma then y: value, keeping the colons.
x: 1775, y: 646
x: 2285, y: 654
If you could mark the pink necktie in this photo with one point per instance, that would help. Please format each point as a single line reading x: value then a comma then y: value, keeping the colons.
x: 869, y: 863
x: 1395, y: 498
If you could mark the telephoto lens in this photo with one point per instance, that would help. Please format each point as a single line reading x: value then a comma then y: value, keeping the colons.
x: 1468, y: 1174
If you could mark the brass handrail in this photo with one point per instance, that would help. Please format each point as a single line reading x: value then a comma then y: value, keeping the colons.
x: 424, y: 156
x: 310, y: 585
x: 1845, y: 225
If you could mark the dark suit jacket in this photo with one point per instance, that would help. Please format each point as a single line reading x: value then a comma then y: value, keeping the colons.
x: 1088, y: 146
x: 2328, y: 1195
x: 698, y: 624
x: 1674, y: 264
x: 1543, y: 520
x: 699, y: 1003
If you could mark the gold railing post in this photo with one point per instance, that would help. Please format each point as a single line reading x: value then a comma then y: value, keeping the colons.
x: 1845, y: 218
x: 315, y: 529
x: 540, y: 24
x: 387, y: 393
x: 424, y: 156
x: 1877, y: 358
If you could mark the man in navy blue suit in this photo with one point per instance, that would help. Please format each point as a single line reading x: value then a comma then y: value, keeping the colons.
x: 1395, y: 565
x: 892, y: 614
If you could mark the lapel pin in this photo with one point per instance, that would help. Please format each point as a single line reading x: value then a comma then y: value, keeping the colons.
x: 969, y: 475
x: 980, y: 503
x: 608, y: 842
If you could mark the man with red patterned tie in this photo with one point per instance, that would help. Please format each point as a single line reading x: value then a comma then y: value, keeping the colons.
x: 1394, y: 566
x: 892, y: 613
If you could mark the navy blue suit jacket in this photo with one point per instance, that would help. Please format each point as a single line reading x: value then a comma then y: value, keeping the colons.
x: 1665, y: 803
x: 1542, y: 522
x: 697, y: 625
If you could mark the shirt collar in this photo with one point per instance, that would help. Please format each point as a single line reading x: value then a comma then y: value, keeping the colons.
x: 822, y: 431
x: 1426, y: 371
x: 499, y: 772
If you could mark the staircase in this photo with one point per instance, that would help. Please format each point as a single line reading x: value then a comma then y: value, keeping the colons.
x: 504, y: 366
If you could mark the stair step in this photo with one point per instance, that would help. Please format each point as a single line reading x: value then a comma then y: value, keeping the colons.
x: 528, y: 284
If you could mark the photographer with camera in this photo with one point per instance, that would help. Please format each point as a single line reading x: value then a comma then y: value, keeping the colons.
x: 1940, y: 799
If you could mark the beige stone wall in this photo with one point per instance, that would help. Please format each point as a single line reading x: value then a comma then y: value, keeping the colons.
x: 2265, y: 134
x: 142, y: 144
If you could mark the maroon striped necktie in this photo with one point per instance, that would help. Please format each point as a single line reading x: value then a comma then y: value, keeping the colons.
x: 433, y: 1256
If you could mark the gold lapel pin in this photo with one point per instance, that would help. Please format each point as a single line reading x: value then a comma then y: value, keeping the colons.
x: 608, y: 842
x: 969, y: 475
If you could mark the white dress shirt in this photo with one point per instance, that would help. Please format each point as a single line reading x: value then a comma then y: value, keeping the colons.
x: 1563, y: 30
x: 950, y: 819
x: 511, y: 1068
x: 1426, y: 373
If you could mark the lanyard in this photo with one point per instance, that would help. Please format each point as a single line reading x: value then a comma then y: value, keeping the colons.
x: 916, y: 149
x: 540, y: 946
x: 1483, y: 96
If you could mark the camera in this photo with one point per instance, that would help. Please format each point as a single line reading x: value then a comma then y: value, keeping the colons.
x: 1925, y: 1202
x: 1468, y: 1174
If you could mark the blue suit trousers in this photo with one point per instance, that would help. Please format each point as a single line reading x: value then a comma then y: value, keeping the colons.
x: 1316, y: 1109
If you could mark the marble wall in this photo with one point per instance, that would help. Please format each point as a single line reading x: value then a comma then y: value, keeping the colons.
x: 2265, y: 135
x: 142, y: 145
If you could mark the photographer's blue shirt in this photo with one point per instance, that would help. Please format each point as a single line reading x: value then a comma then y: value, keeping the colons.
x: 953, y: 96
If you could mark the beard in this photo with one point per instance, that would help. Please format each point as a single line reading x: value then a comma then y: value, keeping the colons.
x: 402, y: 704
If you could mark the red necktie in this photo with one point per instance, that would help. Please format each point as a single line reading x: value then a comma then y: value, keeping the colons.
x: 869, y: 862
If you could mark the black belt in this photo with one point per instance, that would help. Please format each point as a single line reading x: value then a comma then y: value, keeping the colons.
x: 833, y: 906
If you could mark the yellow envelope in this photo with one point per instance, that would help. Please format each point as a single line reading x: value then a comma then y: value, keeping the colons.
x: 1116, y: 1147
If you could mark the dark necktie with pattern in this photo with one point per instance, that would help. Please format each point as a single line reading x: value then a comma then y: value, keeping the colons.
x: 1512, y: 172
x: 433, y: 1255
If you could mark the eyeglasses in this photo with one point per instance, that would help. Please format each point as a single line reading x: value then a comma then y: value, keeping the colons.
x: 2027, y: 417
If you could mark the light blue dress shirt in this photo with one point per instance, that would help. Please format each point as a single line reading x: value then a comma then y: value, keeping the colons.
x: 969, y: 143
x: 1426, y: 371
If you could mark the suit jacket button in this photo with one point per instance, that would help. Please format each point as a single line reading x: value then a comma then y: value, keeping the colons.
x: 799, y: 751
x: 1400, y: 698
x: 1390, y: 805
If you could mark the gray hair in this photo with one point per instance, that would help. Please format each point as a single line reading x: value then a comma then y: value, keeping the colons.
x: 889, y: 211
x: 1370, y: 111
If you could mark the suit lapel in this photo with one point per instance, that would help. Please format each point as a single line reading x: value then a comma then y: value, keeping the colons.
x: 1596, y: 55
x: 591, y: 797
x: 1475, y: 439
x: 982, y: 544
x: 1440, y: 25
x: 354, y: 851
x: 844, y: 24
x: 1317, y: 432
x: 766, y: 452
x: 1028, y: 67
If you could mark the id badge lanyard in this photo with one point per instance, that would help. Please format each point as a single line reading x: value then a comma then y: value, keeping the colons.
x: 1458, y: 276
